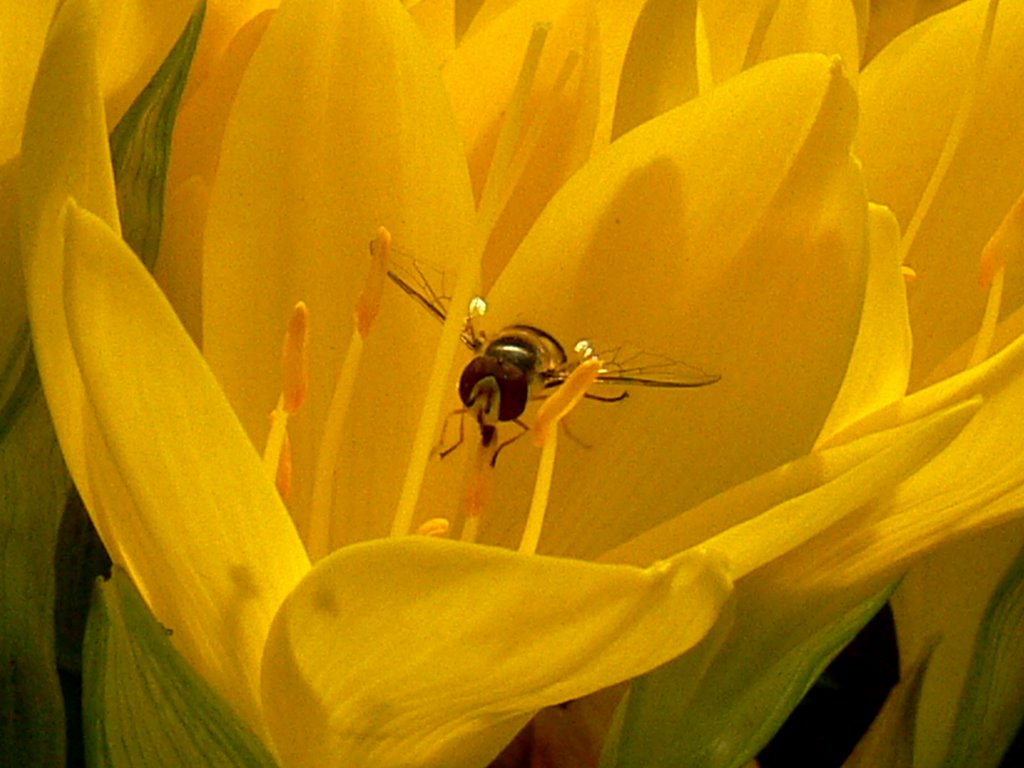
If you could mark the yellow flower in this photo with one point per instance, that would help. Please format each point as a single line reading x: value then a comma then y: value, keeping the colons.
x: 733, y: 232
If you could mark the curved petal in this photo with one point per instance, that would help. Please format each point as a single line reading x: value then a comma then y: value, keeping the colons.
x: 199, y: 128
x: 341, y: 125
x: 22, y: 35
x: 880, y: 364
x: 814, y: 26
x: 223, y: 21
x: 760, y: 520
x: 729, y: 234
x: 64, y: 153
x: 741, y: 34
x: 200, y: 527
x: 660, y: 70
x: 681, y: 48
x: 423, y: 652
x: 977, y: 482
x: 949, y: 177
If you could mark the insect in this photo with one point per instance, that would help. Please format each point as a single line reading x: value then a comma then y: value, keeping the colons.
x: 522, y: 361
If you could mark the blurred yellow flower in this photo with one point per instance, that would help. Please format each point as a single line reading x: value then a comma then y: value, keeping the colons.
x: 710, y: 209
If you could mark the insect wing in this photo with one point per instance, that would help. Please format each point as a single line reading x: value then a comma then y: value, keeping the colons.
x: 631, y: 366
x: 423, y: 282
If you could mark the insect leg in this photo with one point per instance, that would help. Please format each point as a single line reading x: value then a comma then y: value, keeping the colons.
x: 608, y: 399
x: 442, y: 452
x: 519, y: 423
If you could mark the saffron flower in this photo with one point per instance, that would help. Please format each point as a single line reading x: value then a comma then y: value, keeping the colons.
x: 721, y: 542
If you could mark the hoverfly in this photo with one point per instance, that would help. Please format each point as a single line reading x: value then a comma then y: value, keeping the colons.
x: 522, y: 361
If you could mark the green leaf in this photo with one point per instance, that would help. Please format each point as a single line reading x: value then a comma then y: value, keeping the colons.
x: 718, y: 710
x: 19, y: 380
x: 79, y: 560
x: 889, y: 742
x: 140, y: 146
x: 33, y: 483
x: 992, y: 704
x: 143, y: 704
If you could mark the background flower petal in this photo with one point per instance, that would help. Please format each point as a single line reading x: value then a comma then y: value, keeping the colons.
x: 880, y: 364
x: 200, y: 527
x: 65, y: 153
x: 728, y: 234
x: 22, y: 35
x: 910, y: 95
x: 760, y: 520
x: 341, y: 125
x: 742, y: 34
x: 424, y: 652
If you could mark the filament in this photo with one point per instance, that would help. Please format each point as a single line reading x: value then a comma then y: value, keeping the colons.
x: 367, y: 306
x: 551, y: 413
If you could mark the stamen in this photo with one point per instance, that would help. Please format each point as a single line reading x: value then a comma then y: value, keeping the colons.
x: 294, y: 380
x: 436, y: 526
x: 511, y: 130
x: 367, y: 306
x: 554, y: 409
x: 479, y: 488
x: 295, y: 359
x: 1007, y: 242
x: 564, y: 399
x: 368, y: 303
x: 524, y: 153
x: 284, y: 469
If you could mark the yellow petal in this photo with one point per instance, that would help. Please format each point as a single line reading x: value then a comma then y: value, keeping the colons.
x: 933, y: 132
x: 200, y: 528
x: 179, y: 268
x: 660, y: 69
x: 221, y: 25
x: 64, y: 153
x: 728, y: 234
x: 431, y: 653
x: 199, y: 127
x: 741, y: 34
x: 22, y: 34
x: 616, y: 20
x: 976, y: 482
x: 763, y: 518
x: 880, y: 364
x: 341, y: 125
x: 888, y: 20
x: 814, y: 26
